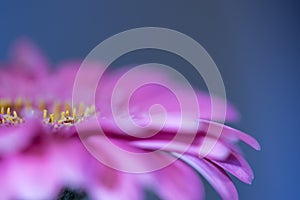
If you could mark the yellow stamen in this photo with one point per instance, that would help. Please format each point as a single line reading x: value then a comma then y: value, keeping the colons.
x: 59, y: 114
x: 51, y: 118
x: 67, y: 113
x: 45, y: 114
x: 74, y: 113
x: 63, y: 115
x: 15, y: 114
x: 9, y: 118
x: 8, y: 111
x: 56, y: 110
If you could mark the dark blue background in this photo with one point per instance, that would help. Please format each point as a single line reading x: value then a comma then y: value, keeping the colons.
x: 255, y: 45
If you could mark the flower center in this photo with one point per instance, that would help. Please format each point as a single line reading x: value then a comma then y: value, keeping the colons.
x: 55, y: 114
x: 8, y: 118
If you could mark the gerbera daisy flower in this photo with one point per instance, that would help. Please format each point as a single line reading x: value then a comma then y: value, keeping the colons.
x: 41, y: 133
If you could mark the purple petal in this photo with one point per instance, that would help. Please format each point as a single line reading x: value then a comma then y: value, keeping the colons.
x: 28, y: 59
x: 161, y: 90
x: 229, y: 133
x: 218, y: 152
x: 169, y: 185
x: 216, y: 176
x: 17, y: 138
x: 237, y: 166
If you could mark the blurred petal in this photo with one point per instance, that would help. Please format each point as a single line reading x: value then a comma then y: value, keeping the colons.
x: 28, y: 59
x: 17, y: 138
x: 169, y: 182
x: 216, y: 176
x: 237, y: 166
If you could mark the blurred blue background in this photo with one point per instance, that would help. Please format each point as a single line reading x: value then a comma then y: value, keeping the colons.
x: 255, y: 44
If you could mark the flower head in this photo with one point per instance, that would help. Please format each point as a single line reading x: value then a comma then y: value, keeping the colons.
x: 41, y: 133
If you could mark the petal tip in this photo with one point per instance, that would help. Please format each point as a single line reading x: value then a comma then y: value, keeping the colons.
x: 256, y: 145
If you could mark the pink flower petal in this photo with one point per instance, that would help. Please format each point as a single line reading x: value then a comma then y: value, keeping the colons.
x: 218, y: 152
x: 229, y: 133
x: 168, y: 182
x: 215, y: 175
x: 17, y: 138
x: 237, y: 166
x: 28, y: 59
